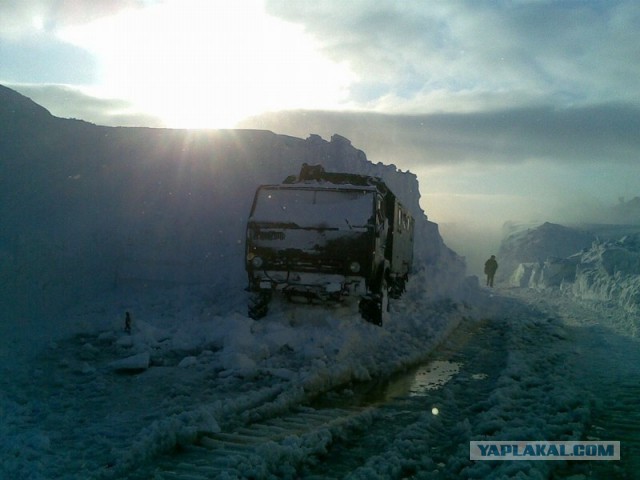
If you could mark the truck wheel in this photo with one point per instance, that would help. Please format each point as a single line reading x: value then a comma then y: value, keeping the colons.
x: 381, y: 304
x: 259, y: 304
x: 398, y: 287
x: 374, y: 307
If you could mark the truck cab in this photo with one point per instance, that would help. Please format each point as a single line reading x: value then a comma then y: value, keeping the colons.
x: 323, y: 236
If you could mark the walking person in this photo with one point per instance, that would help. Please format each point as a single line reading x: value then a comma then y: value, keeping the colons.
x: 490, y: 267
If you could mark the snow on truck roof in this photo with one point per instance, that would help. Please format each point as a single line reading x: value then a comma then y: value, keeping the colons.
x: 315, y: 185
x: 315, y: 176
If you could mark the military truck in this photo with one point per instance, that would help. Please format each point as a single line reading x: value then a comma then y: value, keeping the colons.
x: 325, y: 236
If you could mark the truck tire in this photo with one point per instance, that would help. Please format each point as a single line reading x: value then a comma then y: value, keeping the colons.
x: 258, y: 304
x: 373, y: 307
x: 397, y: 287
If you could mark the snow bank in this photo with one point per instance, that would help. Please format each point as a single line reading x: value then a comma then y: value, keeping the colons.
x: 553, y: 272
x: 610, y: 272
x: 530, y: 244
x: 605, y: 271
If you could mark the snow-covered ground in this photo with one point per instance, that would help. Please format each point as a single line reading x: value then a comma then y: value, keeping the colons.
x: 178, y: 396
x: 103, y: 399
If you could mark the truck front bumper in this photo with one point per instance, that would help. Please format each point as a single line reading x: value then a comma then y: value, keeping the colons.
x: 321, y: 285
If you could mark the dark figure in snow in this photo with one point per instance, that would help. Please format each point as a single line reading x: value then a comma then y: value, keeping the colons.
x: 127, y: 322
x: 490, y: 267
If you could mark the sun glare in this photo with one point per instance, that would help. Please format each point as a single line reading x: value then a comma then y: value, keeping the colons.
x: 203, y: 64
x: 38, y: 22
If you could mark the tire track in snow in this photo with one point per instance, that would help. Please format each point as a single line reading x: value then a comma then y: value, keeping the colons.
x: 515, y: 384
x: 271, y: 448
x: 344, y: 430
x: 408, y: 438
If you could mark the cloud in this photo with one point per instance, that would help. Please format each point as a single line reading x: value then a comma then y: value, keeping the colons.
x: 67, y: 102
x: 568, y: 135
x: 45, y: 59
x: 204, y: 64
x: 31, y: 50
x: 564, y: 52
x: 28, y: 17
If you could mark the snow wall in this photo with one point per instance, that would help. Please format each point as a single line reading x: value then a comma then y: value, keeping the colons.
x: 610, y: 272
x: 595, y: 262
x: 87, y: 209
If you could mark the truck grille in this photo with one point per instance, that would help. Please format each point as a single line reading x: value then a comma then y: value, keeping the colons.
x: 269, y: 235
x: 307, y: 265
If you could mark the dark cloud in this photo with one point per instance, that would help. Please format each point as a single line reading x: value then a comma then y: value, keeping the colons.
x: 67, y: 102
x: 569, y: 135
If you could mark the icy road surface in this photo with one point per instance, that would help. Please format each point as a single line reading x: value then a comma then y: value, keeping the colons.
x: 533, y: 367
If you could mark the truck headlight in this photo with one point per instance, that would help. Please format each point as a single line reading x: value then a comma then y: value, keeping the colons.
x: 257, y: 262
x: 354, y: 267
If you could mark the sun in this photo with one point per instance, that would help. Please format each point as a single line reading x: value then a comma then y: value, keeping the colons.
x: 204, y: 64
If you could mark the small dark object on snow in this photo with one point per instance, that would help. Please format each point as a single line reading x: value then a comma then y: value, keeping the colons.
x: 127, y: 322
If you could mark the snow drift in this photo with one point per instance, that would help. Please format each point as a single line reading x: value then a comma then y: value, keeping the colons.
x: 533, y: 244
x: 590, y: 263
x: 610, y: 272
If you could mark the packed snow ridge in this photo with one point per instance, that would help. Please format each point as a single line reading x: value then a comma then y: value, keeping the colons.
x: 593, y: 262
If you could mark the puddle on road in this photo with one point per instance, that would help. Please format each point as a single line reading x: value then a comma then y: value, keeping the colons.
x: 420, y: 381
x: 433, y: 376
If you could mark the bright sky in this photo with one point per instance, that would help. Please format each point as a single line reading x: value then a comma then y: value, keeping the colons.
x: 204, y: 64
x: 523, y: 108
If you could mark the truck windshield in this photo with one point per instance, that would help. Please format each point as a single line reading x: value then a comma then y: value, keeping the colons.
x: 307, y: 208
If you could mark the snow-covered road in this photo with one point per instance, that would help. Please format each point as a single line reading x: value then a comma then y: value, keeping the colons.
x: 607, y: 373
x: 316, y: 393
